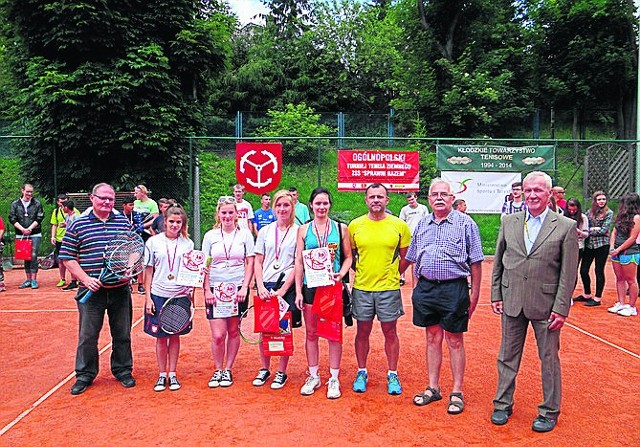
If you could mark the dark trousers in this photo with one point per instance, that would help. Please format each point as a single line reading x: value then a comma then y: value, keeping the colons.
x: 117, y: 304
x: 600, y: 255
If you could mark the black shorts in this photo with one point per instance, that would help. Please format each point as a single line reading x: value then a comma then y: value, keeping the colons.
x: 242, y: 306
x: 290, y: 298
x: 151, y: 325
x: 445, y: 303
x: 308, y: 293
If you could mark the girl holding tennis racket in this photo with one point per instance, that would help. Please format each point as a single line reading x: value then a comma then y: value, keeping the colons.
x: 275, y: 258
x: 226, y: 286
x: 320, y: 232
x: 163, y: 254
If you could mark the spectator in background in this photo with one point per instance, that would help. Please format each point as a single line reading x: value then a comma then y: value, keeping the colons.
x: 264, y: 215
x: 147, y: 207
x: 244, y: 208
x: 2, y: 286
x: 157, y: 226
x: 558, y: 194
x: 596, y: 247
x: 460, y: 205
x: 71, y: 214
x: 302, y: 212
x: 135, y: 218
x: 411, y: 213
x: 574, y: 211
x: 515, y: 202
x: 625, y: 256
x: 26, y: 215
x: 57, y: 232
x: 553, y: 206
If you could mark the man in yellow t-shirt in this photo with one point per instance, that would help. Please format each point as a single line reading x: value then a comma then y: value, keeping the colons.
x: 58, y: 228
x: 379, y: 241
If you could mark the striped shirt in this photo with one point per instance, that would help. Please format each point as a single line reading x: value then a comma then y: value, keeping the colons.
x: 445, y: 250
x: 86, y: 238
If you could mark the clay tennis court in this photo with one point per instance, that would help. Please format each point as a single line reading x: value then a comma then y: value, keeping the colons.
x: 600, y: 359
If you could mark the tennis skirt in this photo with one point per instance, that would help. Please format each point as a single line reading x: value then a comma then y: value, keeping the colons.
x: 151, y: 325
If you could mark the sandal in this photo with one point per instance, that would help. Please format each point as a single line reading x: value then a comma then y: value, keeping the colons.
x: 458, y: 404
x: 423, y: 398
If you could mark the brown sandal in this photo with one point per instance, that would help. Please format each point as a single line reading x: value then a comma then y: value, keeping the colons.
x: 423, y: 398
x: 458, y: 404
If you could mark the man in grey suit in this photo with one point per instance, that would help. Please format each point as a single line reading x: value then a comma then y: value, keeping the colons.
x: 534, y: 274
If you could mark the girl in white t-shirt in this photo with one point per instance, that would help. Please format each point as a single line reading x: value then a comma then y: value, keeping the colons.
x: 226, y: 286
x: 274, y: 266
x: 163, y: 253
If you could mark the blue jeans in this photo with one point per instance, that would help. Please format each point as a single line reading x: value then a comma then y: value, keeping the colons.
x: 117, y: 303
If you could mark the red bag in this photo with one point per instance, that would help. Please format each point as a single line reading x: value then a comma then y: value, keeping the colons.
x: 327, y: 302
x: 267, y: 314
x: 280, y: 343
x: 331, y: 330
x: 24, y: 246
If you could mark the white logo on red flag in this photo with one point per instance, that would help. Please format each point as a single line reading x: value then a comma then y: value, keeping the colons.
x: 259, y: 166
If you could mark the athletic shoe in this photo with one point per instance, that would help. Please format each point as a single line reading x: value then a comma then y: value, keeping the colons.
x: 333, y: 389
x: 310, y: 385
x: 262, y: 377
x: 34, y: 284
x: 2, y: 287
x: 141, y: 289
x: 25, y: 284
x: 279, y: 381
x: 73, y: 285
x: 161, y: 384
x: 616, y: 307
x: 393, y: 384
x: 61, y: 283
x: 592, y: 303
x: 360, y: 384
x: 628, y: 311
x: 214, y: 382
x: 174, y: 384
x: 226, y: 379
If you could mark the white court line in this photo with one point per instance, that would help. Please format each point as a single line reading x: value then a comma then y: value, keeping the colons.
x: 44, y: 397
x: 626, y: 351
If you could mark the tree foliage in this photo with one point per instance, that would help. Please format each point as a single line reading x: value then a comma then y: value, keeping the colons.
x: 110, y: 89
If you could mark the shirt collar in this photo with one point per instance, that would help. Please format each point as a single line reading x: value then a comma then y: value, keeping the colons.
x: 542, y: 215
x: 448, y: 218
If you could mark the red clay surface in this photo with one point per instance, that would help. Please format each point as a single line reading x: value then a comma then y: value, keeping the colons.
x: 601, y: 372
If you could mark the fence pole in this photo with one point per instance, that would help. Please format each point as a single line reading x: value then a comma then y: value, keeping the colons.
x: 319, y: 163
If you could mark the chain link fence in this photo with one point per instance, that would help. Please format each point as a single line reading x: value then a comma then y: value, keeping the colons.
x: 582, y: 167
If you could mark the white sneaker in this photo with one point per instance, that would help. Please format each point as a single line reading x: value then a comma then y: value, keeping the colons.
x: 616, y: 307
x: 628, y: 311
x: 333, y: 389
x: 310, y: 385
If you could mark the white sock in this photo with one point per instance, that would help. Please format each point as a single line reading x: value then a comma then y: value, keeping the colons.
x: 172, y: 373
x: 313, y: 371
x: 163, y: 374
x: 363, y: 369
x: 392, y: 372
x: 334, y: 372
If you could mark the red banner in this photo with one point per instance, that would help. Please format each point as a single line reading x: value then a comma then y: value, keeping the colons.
x: 259, y: 166
x: 397, y: 170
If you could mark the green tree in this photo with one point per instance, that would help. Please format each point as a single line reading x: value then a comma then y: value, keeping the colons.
x: 110, y: 89
x: 296, y: 121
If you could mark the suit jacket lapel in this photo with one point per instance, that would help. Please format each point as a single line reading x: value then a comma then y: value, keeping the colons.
x: 548, y: 226
x: 519, y: 229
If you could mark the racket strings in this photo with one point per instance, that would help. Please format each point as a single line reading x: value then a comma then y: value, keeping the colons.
x: 175, y: 315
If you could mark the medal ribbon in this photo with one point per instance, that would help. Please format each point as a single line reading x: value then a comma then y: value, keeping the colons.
x: 322, y: 241
x: 227, y: 254
x: 171, y: 262
x: 279, y: 248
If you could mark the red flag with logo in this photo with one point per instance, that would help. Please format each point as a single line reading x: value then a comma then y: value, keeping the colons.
x: 259, y: 166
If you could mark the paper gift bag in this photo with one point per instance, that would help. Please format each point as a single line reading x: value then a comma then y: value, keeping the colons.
x: 327, y: 302
x: 280, y: 343
x: 331, y: 330
x: 266, y: 315
x: 23, y: 249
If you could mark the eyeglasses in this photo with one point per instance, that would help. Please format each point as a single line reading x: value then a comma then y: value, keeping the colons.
x: 226, y: 199
x: 104, y: 199
x: 444, y: 195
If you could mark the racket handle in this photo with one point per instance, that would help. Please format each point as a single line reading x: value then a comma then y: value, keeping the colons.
x: 83, y: 299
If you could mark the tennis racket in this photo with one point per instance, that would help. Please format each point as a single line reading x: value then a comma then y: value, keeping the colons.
x: 47, y: 262
x: 176, y: 314
x: 123, y: 259
x: 248, y: 320
x: 247, y: 327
